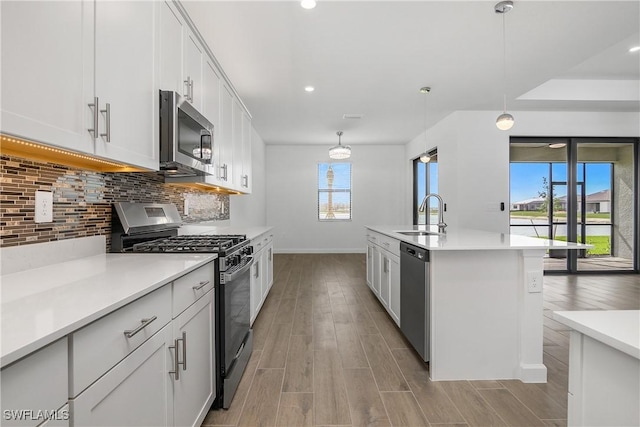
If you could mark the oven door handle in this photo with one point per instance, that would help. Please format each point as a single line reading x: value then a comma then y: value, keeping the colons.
x: 232, y: 276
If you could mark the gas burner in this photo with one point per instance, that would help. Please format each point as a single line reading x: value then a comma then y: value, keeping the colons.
x: 190, y: 244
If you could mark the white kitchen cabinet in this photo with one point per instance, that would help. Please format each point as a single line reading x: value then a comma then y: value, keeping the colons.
x: 38, y: 382
x: 261, y: 271
x: 194, y: 386
x: 236, y: 137
x: 383, y: 271
x: 370, y: 265
x: 136, y: 392
x: 171, y: 46
x: 47, y: 54
x: 51, y: 78
x: 225, y: 169
x: 126, y: 57
x: 193, y: 69
x: 245, y: 176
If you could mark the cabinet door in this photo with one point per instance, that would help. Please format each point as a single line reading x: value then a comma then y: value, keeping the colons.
x: 171, y: 44
x: 245, y: 182
x: 370, y: 266
x: 269, y: 266
x: 385, y: 278
x: 126, y: 59
x: 238, y: 155
x: 136, y: 392
x: 194, y: 389
x: 394, y: 288
x: 225, y: 171
x: 211, y: 110
x: 193, y: 61
x: 256, y: 288
x: 377, y: 264
x: 47, y: 72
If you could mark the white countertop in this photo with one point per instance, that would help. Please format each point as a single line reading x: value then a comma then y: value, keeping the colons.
x: 41, y: 305
x: 619, y: 329
x: 204, y: 228
x: 466, y: 239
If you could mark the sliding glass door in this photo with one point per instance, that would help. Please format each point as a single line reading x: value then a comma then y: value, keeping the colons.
x: 425, y: 181
x: 578, y: 190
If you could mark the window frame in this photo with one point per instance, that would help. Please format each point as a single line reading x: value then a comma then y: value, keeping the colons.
x: 320, y: 191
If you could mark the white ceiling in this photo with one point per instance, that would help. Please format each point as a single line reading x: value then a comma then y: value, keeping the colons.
x: 371, y: 57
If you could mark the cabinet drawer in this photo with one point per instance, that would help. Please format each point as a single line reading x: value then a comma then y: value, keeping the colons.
x: 390, y: 244
x: 190, y: 287
x: 373, y: 237
x: 38, y: 382
x: 258, y: 242
x: 100, y: 345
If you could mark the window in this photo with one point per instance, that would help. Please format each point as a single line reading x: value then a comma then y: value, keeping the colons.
x: 334, y: 191
x: 425, y: 181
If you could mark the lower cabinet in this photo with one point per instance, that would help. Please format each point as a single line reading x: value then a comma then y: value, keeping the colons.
x: 261, y: 272
x: 193, y: 382
x: 383, y: 272
x: 136, y: 392
x: 35, y: 388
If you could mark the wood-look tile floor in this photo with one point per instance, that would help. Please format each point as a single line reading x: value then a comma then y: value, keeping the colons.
x: 326, y: 353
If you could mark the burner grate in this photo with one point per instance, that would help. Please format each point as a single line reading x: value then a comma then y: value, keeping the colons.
x: 187, y: 244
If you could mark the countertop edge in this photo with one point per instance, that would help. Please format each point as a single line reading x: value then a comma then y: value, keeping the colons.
x: 414, y: 240
x: 566, y: 318
x: 25, y: 350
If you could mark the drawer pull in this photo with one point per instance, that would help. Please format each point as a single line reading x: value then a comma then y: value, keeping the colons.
x: 144, y: 324
x: 201, y: 285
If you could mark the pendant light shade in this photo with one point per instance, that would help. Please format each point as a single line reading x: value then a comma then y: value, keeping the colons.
x: 504, y: 120
x: 340, y: 152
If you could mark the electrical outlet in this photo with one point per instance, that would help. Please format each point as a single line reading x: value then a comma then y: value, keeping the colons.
x: 44, y: 206
x: 534, y: 281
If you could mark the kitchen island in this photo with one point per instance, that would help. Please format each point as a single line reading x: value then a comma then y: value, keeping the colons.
x: 485, y: 310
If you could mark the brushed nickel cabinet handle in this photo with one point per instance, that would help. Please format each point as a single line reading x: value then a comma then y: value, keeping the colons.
x: 201, y: 285
x: 107, y: 113
x: 144, y: 324
x: 95, y: 107
x: 176, y: 364
x: 184, y: 350
x: 187, y: 95
x: 191, y: 89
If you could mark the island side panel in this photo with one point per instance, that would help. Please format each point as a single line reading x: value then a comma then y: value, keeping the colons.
x: 531, y: 309
x: 476, y: 315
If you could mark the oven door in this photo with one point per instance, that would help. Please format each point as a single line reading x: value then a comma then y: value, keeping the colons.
x: 236, y: 294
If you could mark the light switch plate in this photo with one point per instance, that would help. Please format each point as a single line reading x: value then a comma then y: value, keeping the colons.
x: 44, y: 206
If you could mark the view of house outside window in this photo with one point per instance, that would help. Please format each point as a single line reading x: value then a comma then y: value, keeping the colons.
x: 334, y: 191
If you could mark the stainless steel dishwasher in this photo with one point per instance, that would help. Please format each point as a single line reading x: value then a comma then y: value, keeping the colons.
x: 414, y: 297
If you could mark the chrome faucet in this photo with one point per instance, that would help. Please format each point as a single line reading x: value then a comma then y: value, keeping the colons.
x: 423, y: 206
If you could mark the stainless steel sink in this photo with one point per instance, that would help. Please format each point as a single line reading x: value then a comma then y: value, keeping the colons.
x: 417, y: 233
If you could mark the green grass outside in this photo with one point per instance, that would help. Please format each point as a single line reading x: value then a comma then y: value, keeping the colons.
x: 540, y: 214
x: 601, y: 244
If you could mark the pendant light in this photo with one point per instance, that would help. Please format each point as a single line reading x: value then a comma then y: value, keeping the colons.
x: 340, y: 152
x: 425, y: 157
x: 504, y: 120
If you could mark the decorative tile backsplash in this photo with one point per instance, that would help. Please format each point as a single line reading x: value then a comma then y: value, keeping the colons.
x: 82, y: 200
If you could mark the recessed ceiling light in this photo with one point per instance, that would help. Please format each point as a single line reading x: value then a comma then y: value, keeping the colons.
x: 308, y: 4
x: 634, y: 49
x: 309, y: 88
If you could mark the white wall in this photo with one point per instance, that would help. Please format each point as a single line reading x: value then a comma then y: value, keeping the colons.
x: 378, y: 188
x: 473, y: 157
x: 251, y: 209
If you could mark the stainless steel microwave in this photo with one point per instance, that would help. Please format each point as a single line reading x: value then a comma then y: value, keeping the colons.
x: 186, y: 138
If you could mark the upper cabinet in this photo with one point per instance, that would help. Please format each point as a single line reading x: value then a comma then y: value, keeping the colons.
x: 125, y: 80
x: 188, y: 67
x: 85, y: 75
x: 89, y: 88
x: 47, y: 73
